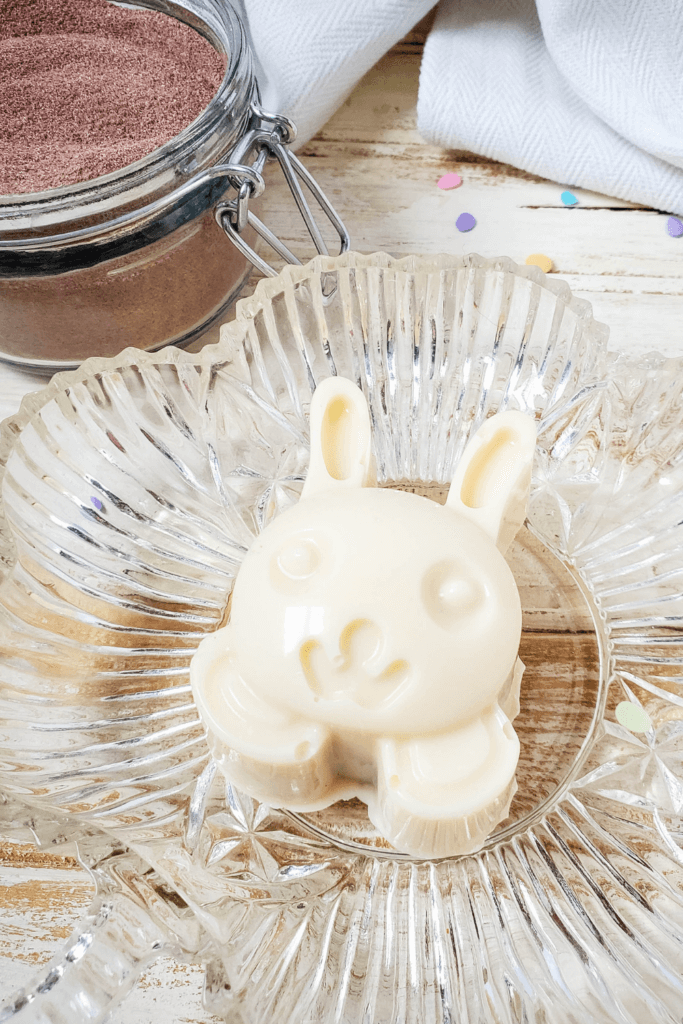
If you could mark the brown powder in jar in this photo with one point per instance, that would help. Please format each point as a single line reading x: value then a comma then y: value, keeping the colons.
x: 87, y: 88
x: 154, y: 296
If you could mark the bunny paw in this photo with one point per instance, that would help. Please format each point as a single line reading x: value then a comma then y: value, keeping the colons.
x: 445, y: 793
x: 269, y: 753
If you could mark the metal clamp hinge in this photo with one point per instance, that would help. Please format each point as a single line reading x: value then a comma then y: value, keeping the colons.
x: 270, y: 137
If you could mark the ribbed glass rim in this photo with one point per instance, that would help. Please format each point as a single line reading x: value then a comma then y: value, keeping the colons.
x: 245, y: 309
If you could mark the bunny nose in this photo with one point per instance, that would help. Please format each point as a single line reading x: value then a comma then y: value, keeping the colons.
x: 354, y: 673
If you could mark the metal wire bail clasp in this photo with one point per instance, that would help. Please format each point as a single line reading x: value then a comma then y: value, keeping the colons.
x: 269, y: 137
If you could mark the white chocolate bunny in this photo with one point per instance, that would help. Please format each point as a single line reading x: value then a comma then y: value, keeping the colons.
x: 373, y: 636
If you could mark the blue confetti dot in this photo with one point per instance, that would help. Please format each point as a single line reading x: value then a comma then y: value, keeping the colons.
x: 674, y: 227
x: 97, y: 503
x: 465, y: 222
x: 569, y: 199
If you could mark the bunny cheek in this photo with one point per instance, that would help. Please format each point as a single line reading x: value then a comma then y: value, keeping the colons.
x: 298, y: 560
x: 451, y: 595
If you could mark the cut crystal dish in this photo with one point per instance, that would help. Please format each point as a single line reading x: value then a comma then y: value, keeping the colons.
x: 131, y: 491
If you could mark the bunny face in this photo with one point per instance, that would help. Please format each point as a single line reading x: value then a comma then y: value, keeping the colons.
x: 376, y: 610
x: 372, y: 642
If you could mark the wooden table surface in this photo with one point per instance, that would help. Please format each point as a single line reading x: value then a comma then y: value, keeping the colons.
x: 382, y: 178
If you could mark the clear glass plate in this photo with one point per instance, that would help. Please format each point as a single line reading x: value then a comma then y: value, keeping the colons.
x: 132, y: 489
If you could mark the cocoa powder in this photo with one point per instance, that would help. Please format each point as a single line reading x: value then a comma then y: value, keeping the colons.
x: 154, y: 296
x: 87, y: 88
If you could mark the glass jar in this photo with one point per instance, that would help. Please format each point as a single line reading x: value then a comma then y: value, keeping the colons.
x: 140, y: 257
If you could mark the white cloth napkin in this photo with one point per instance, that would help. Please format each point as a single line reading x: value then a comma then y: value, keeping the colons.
x: 588, y: 93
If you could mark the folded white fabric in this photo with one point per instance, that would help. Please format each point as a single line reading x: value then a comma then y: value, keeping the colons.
x: 588, y: 93
x: 585, y: 92
x: 311, y: 53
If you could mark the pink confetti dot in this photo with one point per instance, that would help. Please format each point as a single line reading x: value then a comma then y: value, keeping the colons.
x: 465, y: 222
x: 449, y: 181
x: 674, y: 227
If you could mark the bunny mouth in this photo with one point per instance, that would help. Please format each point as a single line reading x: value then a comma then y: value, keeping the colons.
x: 354, y: 674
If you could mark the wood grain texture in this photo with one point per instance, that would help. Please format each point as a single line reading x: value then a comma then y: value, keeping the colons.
x: 382, y: 176
x: 39, y: 906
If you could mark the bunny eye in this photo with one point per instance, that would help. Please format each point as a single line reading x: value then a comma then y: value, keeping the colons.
x: 450, y: 594
x: 299, y: 558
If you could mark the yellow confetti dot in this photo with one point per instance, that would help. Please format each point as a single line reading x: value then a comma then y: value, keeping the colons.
x: 537, y: 259
x: 632, y: 716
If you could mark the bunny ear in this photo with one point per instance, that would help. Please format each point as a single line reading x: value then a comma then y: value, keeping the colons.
x: 341, y: 455
x: 492, y: 481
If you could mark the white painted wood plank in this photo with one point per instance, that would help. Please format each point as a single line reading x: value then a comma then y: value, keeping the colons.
x: 14, y: 384
x: 40, y: 908
x: 645, y: 323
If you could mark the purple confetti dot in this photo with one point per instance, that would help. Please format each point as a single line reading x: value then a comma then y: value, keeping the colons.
x: 97, y: 503
x: 465, y: 222
x: 674, y: 227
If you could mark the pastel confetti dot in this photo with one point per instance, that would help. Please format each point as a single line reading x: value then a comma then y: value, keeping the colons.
x: 97, y: 503
x: 569, y: 199
x: 449, y: 181
x: 465, y: 222
x: 674, y: 227
x: 537, y: 259
x: 632, y: 717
